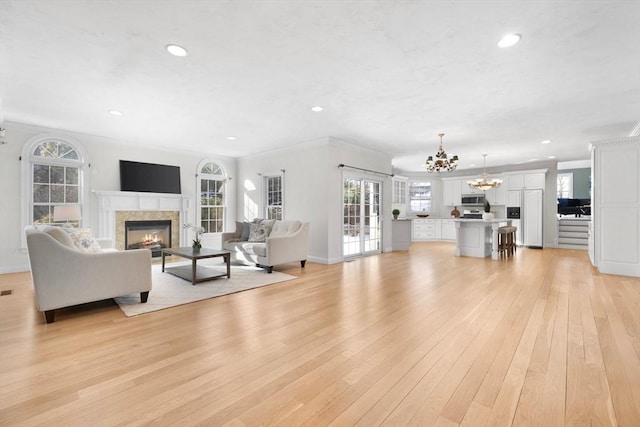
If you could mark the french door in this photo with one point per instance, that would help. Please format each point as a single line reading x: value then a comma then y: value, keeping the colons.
x: 361, y: 225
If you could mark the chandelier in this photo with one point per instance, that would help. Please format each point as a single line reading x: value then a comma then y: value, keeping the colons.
x: 484, y: 183
x: 442, y: 163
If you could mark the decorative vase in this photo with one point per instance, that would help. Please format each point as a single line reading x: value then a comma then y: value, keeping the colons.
x: 455, y: 212
x: 488, y: 216
x: 395, y: 216
x: 196, y: 247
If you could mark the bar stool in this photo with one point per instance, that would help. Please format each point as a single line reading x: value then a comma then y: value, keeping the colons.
x: 507, y: 241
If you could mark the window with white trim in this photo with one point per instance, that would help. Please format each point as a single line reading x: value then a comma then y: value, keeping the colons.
x: 565, y: 185
x: 420, y: 196
x: 274, y: 196
x: 54, y: 178
x: 212, y: 182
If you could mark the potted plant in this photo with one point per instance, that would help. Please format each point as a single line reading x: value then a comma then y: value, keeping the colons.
x: 487, y: 215
x: 395, y: 213
x: 197, y: 243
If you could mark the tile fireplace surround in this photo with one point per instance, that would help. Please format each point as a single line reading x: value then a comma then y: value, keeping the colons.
x: 116, y: 207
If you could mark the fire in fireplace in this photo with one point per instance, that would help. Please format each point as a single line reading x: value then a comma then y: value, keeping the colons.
x: 152, y: 234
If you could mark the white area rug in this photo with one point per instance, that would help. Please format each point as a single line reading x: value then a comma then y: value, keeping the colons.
x: 170, y: 291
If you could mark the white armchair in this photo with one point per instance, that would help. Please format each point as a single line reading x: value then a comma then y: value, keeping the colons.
x: 64, y: 276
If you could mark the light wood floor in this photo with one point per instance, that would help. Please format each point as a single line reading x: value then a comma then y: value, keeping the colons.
x: 405, y: 338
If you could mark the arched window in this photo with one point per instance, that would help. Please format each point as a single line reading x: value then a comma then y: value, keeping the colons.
x: 53, y: 174
x: 212, y: 181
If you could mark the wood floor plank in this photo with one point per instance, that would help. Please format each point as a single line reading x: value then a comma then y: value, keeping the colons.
x: 416, y: 337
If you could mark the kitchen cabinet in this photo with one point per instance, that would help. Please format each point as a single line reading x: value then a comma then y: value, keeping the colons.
x: 448, y: 229
x: 526, y: 180
x: 615, y: 206
x: 534, y: 180
x: 426, y: 229
x: 399, y: 191
x: 515, y: 181
x: 514, y: 198
x: 401, y: 230
x: 451, y: 192
x: 497, y: 196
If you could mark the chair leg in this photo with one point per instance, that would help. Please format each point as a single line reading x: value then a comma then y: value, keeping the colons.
x: 303, y: 262
x: 144, y: 296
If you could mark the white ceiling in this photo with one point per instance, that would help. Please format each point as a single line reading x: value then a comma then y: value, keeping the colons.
x: 391, y: 75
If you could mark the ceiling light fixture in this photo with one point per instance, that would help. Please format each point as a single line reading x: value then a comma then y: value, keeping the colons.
x: 551, y: 157
x: 509, y: 40
x: 317, y: 108
x: 115, y: 112
x: 546, y: 141
x: 176, y: 50
x: 484, y: 183
x: 231, y: 138
x: 442, y: 164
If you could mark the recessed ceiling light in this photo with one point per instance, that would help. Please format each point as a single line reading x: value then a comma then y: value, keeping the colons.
x: 317, y: 108
x: 115, y: 112
x: 551, y: 157
x: 509, y: 40
x: 472, y: 165
x: 546, y: 141
x: 176, y: 50
x: 231, y: 138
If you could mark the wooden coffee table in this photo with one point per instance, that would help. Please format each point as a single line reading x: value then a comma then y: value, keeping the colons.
x: 190, y: 272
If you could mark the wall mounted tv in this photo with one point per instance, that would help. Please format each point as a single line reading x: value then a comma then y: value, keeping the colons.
x: 149, y: 177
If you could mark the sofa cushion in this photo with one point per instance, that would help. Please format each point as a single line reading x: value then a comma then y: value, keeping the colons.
x: 258, y: 233
x: 84, y: 240
x: 60, y: 235
x: 251, y: 248
x: 283, y: 228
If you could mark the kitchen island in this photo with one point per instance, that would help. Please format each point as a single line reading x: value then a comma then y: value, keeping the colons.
x: 478, y: 237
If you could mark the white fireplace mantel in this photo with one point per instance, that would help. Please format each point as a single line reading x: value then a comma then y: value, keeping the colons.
x: 109, y: 202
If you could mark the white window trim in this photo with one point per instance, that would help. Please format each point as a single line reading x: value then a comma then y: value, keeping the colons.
x: 570, y: 181
x: 223, y: 177
x: 27, y: 160
x: 265, y: 187
x: 409, y: 209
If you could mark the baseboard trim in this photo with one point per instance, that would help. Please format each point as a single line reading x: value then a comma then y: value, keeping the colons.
x: 14, y: 269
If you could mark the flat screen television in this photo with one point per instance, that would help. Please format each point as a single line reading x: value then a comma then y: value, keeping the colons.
x: 149, y: 177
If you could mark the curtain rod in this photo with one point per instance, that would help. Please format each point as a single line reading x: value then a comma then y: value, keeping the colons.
x: 342, y: 165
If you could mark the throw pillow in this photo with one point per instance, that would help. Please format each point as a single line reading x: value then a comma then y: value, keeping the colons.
x: 238, y: 233
x: 246, y: 230
x: 62, y: 237
x: 258, y: 233
x: 83, y: 239
x: 268, y: 223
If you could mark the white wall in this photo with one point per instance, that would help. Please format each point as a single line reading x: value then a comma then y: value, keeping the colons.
x: 103, y: 155
x: 313, y: 189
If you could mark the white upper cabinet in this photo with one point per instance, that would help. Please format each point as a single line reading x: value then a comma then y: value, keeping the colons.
x: 399, y: 191
x: 497, y: 196
x: 515, y: 181
x: 451, y: 192
x: 534, y: 179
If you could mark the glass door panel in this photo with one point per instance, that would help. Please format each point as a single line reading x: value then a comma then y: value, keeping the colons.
x: 362, y: 228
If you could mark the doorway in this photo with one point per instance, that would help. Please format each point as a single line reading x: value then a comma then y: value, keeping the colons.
x: 361, y: 225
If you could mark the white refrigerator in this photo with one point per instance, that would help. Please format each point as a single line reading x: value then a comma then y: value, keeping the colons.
x: 530, y: 222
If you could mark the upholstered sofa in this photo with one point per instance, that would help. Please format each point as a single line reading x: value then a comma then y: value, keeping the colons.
x: 268, y: 243
x: 68, y: 271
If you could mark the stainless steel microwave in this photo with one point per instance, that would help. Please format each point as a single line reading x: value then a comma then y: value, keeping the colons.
x: 472, y: 199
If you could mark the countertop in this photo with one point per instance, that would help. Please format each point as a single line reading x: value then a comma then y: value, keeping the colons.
x: 490, y: 221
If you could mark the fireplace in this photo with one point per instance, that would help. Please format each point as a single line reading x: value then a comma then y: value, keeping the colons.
x: 150, y: 234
